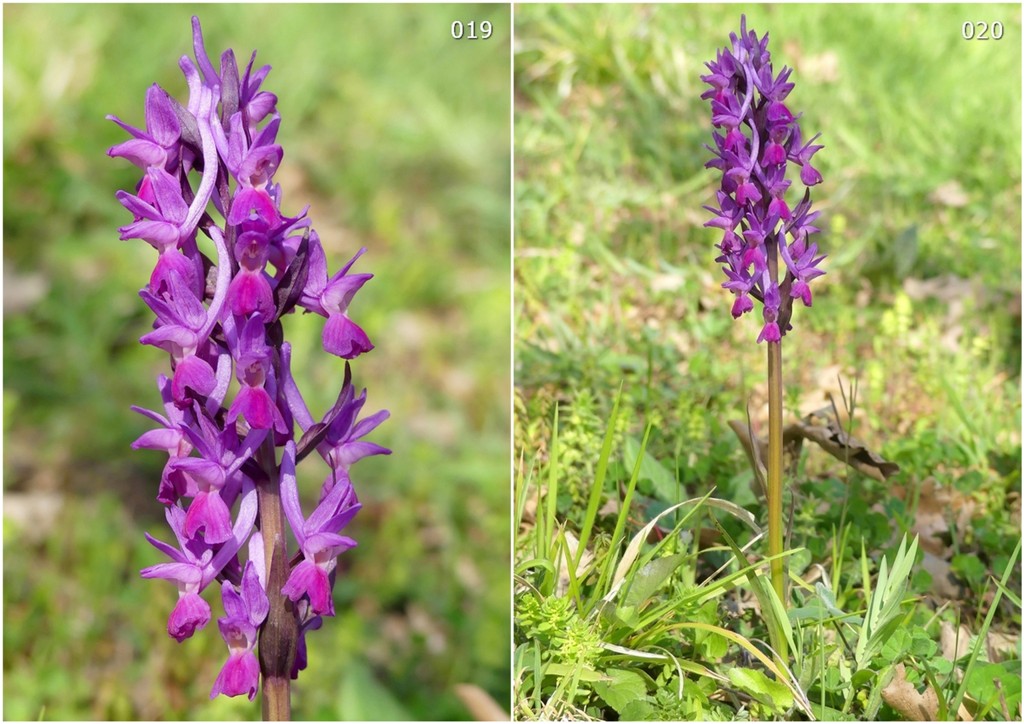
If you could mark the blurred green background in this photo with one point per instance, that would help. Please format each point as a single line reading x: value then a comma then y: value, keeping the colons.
x: 398, y: 136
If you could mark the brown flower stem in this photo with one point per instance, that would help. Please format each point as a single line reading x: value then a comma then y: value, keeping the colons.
x: 279, y: 634
x: 775, y: 471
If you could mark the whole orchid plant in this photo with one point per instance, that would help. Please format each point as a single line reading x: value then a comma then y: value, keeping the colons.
x: 756, y: 140
x: 234, y: 424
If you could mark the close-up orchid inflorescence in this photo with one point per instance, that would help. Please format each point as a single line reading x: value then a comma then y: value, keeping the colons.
x: 759, y: 137
x: 231, y: 403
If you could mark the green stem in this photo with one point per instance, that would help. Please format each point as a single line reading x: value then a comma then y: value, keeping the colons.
x: 279, y: 634
x: 775, y: 470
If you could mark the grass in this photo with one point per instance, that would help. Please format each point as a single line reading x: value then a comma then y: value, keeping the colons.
x: 920, y: 308
x: 397, y: 135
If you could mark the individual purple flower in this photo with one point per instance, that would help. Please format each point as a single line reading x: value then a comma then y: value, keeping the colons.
x: 157, y: 146
x: 761, y: 138
x: 195, y: 564
x: 253, y: 363
x: 318, y: 537
x: 250, y: 290
x: 331, y: 297
x: 343, y: 441
x: 181, y: 320
x: 246, y: 608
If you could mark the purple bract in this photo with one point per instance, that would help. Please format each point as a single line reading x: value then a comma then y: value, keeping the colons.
x: 759, y: 137
x: 207, y: 183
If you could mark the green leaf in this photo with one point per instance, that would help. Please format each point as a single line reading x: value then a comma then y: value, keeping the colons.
x: 651, y: 577
x: 988, y: 681
x: 768, y: 692
x: 896, y: 646
x: 620, y: 688
x: 638, y: 710
x: 968, y: 568
x: 362, y: 698
x: 712, y: 646
x: 582, y: 673
x: 663, y: 483
x: 921, y: 645
x: 827, y: 713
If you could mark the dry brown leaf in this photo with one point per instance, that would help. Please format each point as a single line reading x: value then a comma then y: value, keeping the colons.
x: 944, y: 583
x: 904, y: 697
x: 954, y: 644
x: 1002, y: 646
x: 824, y: 430
x: 481, y: 706
x: 935, y: 507
x: 950, y: 193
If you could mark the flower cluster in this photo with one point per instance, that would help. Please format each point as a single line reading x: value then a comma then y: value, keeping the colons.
x: 758, y: 137
x: 220, y: 318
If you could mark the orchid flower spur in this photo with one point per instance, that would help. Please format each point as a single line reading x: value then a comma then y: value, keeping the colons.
x: 756, y: 139
x: 231, y: 266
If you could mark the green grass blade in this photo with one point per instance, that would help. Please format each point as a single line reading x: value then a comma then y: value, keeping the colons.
x: 983, y: 633
x: 594, y: 501
x: 620, y: 524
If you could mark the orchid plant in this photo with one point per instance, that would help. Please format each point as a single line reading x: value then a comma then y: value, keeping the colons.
x: 234, y: 424
x: 756, y: 140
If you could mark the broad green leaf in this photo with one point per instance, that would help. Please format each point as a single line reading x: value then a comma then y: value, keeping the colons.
x: 827, y: 713
x: 990, y: 681
x: 651, y: 577
x: 663, y: 483
x: 361, y: 697
x: 639, y: 710
x: 582, y: 673
x: 620, y: 687
x: 754, y: 682
x: 896, y: 646
x: 922, y: 646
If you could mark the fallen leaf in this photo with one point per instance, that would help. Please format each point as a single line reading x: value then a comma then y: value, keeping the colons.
x: 904, y: 697
x: 824, y: 429
x: 931, y: 522
x: 821, y: 428
x: 944, y: 583
x: 950, y: 193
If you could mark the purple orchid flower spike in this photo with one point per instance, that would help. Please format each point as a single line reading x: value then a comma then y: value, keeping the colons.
x: 765, y: 252
x: 762, y: 136
x: 231, y: 267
